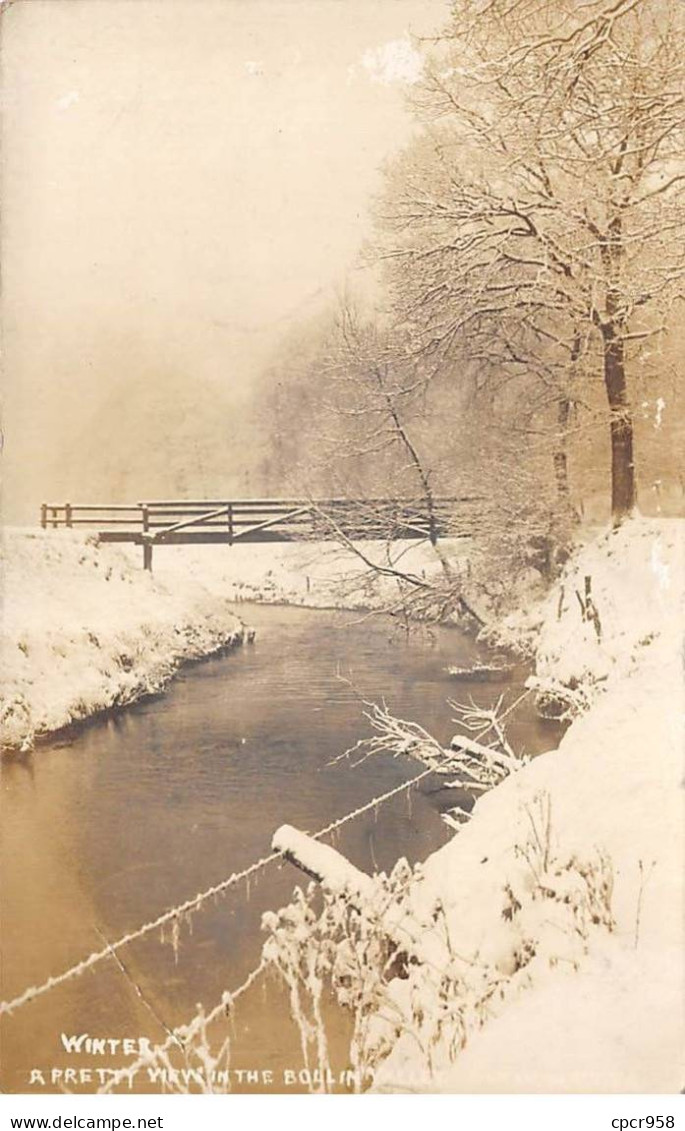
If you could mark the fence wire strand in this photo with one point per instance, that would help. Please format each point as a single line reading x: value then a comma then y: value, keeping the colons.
x: 181, y: 909
x: 183, y: 1035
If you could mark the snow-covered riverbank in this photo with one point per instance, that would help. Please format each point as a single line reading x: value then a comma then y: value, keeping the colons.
x: 86, y: 630
x: 555, y: 961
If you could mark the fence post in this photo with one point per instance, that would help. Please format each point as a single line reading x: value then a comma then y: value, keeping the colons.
x: 67, y: 514
x: 229, y: 513
x: 55, y: 520
x: 44, y: 515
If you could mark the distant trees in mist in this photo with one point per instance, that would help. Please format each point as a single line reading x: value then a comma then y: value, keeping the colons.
x: 531, y: 250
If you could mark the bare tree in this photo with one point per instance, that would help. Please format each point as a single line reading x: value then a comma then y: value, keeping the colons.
x: 535, y: 224
x: 376, y: 392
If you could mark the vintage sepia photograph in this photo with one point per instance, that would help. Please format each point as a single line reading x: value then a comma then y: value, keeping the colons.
x: 343, y: 547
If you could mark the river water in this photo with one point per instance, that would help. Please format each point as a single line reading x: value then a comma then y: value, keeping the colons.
x: 139, y: 811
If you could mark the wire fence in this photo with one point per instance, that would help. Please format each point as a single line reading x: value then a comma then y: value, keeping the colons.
x: 183, y: 1036
x: 175, y: 914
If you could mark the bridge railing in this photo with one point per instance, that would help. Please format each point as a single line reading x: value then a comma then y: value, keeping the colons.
x: 53, y: 515
x: 237, y: 514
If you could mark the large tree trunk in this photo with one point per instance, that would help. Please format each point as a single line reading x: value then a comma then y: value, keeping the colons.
x: 621, y: 426
x: 560, y: 456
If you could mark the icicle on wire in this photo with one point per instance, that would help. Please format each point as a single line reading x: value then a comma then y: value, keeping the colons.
x: 167, y: 916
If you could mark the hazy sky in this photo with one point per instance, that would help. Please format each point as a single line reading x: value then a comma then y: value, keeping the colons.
x: 181, y: 181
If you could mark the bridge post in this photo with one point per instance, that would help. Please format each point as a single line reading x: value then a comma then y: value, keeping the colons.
x: 147, y: 546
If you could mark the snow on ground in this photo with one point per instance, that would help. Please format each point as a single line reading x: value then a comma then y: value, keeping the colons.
x: 554, y: 918
x: 631, y: 575
x: 86, y: 629
x: 635, y: 575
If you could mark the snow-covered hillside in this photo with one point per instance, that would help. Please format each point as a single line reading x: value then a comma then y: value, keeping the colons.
x: 85, y: 629
x: 555, y: 959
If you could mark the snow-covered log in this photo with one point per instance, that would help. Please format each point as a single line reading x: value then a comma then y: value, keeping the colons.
x: 487, y: 754
x: 322, y: 863
x: 393, y: 917
x: 480, y: 672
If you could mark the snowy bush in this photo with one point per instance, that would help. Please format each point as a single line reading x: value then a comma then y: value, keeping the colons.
x: 409, y: 979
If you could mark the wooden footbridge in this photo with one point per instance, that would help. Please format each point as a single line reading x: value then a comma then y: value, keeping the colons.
x: 211, y: 521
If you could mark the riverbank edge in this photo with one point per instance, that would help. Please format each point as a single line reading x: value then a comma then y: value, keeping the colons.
x: 69, y: 732
x: 87, y: 634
